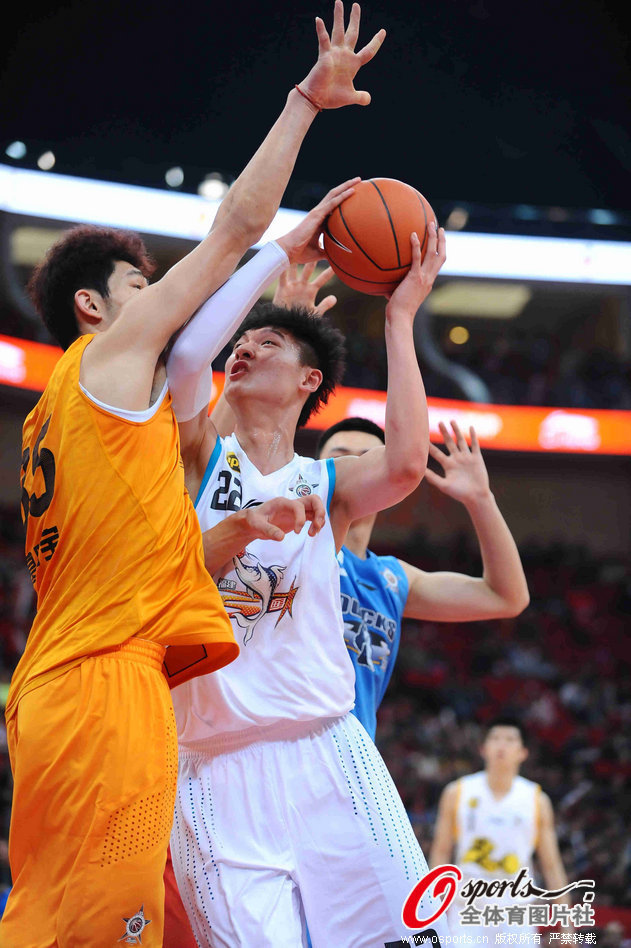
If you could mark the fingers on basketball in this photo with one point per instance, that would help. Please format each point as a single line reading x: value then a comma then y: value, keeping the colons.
x: 367, y: 237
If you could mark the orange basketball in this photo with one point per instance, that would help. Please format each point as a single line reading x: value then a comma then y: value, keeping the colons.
x: 367, y: 238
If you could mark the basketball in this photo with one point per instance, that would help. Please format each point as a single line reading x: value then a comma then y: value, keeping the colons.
x: 367, y: 238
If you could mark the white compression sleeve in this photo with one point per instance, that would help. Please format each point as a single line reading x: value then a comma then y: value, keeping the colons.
x: 204, y: 336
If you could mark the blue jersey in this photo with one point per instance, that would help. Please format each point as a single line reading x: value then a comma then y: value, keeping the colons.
x: 373, y: 592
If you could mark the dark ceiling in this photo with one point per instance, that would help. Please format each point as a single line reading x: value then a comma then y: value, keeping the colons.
x: 479, y: 101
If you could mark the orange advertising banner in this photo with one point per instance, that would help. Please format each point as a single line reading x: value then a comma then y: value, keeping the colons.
x: 502, y: 427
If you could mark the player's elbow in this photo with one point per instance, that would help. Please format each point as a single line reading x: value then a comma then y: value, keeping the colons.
x: 522, y: 598
x: 515, y: 604
x: 409, y: 473
x: 524, y: 602
x: 246, y: 221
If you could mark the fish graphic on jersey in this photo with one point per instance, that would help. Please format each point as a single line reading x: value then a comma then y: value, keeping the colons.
x: 259, y: 596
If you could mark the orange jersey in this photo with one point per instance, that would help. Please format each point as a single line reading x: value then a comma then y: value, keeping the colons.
x: 113, y: 544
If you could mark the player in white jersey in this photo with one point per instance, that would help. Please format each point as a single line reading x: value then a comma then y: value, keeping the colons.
x: 377, y: 592
x: 286, y: 814
x: 493, y: 822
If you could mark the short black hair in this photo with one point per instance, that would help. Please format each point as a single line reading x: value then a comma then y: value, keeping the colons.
x: 83, y: 258
x: 507, y: 720
x: 351, y: 424
x: 321, y: 345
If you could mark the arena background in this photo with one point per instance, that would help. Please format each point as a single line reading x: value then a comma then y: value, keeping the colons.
x: 513, y: 121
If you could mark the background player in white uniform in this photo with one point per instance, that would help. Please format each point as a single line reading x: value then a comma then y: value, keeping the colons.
x: 493, y: 822
x: 285, y: 810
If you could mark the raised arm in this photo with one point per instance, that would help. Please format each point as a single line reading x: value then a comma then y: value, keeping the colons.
x: 384, y: 476
x: 189, y: 363
x: 455, y: 597
x: 120, y: 367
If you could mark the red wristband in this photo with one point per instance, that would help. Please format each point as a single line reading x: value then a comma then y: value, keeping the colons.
x: 309, y: 99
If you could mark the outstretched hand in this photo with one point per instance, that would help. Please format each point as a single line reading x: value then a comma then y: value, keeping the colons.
x: 330, y: 82
x: 302, y: 244
x: 417, y: 284
x: 297, y: 290
x: 466, y: 478
x: 274, y: 518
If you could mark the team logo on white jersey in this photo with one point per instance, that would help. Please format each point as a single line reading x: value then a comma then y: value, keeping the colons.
x: 302, y: 488
x: 260, y: 595
x: 483, y: 852
x: 134, y: 927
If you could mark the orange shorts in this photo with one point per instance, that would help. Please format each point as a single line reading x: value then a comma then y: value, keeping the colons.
x: 94, y: 758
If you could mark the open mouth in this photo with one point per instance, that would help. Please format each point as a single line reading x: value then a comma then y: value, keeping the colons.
x: 239, y: 368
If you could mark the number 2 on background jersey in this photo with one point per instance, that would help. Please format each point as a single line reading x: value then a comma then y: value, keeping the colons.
x: 224, y: 498
x: 44, y: 460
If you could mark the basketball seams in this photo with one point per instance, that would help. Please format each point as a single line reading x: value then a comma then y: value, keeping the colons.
x: 390, y: 221
x: 386, y: 284
x: 426, y: 234
x: 335, y: 240
x: 356, y: 242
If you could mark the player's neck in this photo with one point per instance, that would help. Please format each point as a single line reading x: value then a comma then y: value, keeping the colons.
x: 269, y: 444
x: 500, y: 780
x: 358, y: 536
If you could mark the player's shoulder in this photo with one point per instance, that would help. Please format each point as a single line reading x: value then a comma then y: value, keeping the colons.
x: 391, y: 569
x: 385, y: 559
x: 307, y: 475
x: 454, y: 786
x: 63, y: 378
x: 473, y: 781
x: 452, y: 791
x: 526, y: 784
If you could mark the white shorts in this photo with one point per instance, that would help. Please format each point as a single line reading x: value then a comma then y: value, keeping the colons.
x: 284, y: 834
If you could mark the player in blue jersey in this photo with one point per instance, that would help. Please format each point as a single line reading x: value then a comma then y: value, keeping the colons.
x: 377, y: 592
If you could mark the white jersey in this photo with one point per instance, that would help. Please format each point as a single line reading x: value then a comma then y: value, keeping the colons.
x: 495, y: 838
x: 284, y: 602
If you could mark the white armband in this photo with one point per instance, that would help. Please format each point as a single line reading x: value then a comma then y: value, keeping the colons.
x: 188, y: 367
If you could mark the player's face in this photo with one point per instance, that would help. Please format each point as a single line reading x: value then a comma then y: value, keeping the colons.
x: 504, y: 747
x: 125, y: 282
x: 355, y: 443
x: 265, y: 362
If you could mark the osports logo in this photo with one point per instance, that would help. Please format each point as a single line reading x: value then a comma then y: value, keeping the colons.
x: 440, y: 881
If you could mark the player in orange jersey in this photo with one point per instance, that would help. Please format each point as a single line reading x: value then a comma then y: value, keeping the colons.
x: 116, y: 557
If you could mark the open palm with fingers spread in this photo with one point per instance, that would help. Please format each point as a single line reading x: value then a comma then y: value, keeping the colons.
x: 297, y: 289
x: 465, y: 478
x: 330, y: 82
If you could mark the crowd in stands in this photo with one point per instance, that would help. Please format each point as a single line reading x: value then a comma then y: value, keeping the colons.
x: 518, y: 368
x: 562, y: 666
x: 523, y: 368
